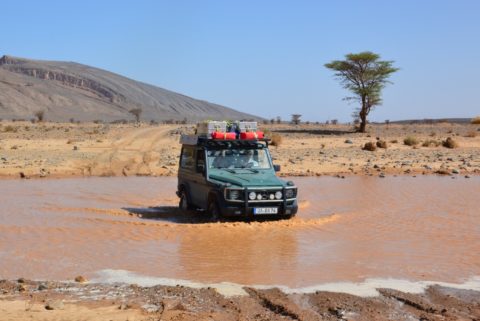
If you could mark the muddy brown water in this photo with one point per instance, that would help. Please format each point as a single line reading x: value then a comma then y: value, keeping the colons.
x: 424, y: 228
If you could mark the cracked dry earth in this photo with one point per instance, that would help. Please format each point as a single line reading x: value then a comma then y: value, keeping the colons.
x: 51, y: 301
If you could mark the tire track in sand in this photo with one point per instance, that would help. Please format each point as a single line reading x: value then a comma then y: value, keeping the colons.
x: 137, y: 152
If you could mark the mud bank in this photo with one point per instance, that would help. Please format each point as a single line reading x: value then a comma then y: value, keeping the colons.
x: 53, y: 301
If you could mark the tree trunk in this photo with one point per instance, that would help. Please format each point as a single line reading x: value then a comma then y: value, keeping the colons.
x: 363, y: 115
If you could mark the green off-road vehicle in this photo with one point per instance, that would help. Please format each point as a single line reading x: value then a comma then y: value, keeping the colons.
x: 231, y: 174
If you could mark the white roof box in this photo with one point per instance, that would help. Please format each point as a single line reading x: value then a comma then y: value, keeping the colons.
x: 246, y: 126
x: 207, y: 128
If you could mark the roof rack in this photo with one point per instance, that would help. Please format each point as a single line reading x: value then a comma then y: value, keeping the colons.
x: 216, y: 143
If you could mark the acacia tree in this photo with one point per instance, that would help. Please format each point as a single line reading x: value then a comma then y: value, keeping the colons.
x: 365, y: 75
x: 296, y: 119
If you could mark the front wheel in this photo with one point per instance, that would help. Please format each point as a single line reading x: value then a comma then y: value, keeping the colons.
x: 184, y: 204
x: 213, y: 212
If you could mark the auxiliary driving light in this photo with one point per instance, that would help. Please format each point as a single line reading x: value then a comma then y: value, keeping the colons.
x: 259, y: 197
x: 272, y: 196
x: 252, y: 195
x: 278, y: 195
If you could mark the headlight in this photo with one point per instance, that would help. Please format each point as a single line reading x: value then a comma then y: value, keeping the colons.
x: 252, y: 195
x: 290, y: 193
x: 278, y: 195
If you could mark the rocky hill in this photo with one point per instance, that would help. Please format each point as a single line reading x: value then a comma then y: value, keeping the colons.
x: 66, y: 90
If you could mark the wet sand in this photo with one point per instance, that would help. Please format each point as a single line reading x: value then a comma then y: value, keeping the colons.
x: 54, y: 301
x: 423, y: 228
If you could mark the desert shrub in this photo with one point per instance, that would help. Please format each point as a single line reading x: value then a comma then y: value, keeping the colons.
x: 433, y: 134
x: 98, y: 121
x: 40, y: 114
x: 276, y: 140
x: 394, y: 141
x: 410, y: 141
x: 370, y: 146
x: 381, y: 144
x: 10, y: 129
x: 450, y: 143
x: 476, y: 120
x: 431, y: 143
x: 471, y: 134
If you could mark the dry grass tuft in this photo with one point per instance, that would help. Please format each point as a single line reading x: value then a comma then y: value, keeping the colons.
x: 450, y: 143
x: 276, y: 140
x: 471, y: 134
x: 410, y: 141
x: 370, y: 146
x: 431, y: 143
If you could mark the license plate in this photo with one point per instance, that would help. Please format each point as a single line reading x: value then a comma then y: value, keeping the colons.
x: 265, y: 210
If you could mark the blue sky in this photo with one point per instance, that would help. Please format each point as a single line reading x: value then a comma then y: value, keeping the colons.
x: 265, y: 57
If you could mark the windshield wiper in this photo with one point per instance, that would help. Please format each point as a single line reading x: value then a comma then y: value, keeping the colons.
x: 249, y: 169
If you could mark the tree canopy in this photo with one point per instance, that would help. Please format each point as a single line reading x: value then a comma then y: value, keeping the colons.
x: 365, y: 75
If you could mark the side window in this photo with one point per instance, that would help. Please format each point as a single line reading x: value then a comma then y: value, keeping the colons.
x: 188, y: 160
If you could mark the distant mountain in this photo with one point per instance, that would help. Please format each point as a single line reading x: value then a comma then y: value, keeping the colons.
x: 66, y: 90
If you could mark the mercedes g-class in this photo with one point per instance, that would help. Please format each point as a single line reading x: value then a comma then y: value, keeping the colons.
x: 231, y: 174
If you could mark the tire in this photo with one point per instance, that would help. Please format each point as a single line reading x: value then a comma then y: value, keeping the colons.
x: 213, y: 212
x: 288, y: 217
x: 184, y: 203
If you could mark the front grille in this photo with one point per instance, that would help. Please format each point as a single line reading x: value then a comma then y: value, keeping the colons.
x: 261, y: 195
x: 266, y: 195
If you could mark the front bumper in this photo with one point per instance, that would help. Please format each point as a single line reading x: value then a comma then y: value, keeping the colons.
x: 232, y: 209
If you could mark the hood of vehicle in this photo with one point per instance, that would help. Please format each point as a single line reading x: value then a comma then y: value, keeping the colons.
x: 247, y: 179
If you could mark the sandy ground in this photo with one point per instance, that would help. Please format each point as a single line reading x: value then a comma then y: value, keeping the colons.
x: 26, y: 300
x: 87, y: 149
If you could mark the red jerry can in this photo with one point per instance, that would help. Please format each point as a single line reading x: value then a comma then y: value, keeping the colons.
x: 251, y: 135
x: 223, y: 136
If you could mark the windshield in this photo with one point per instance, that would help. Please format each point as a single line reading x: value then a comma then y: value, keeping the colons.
x: 238, y: 158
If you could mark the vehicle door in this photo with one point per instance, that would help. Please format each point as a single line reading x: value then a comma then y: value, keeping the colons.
x: 199, y: 186
x: 186, y: 171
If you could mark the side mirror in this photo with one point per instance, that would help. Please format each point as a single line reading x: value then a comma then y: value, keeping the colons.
x: 276, y: 168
